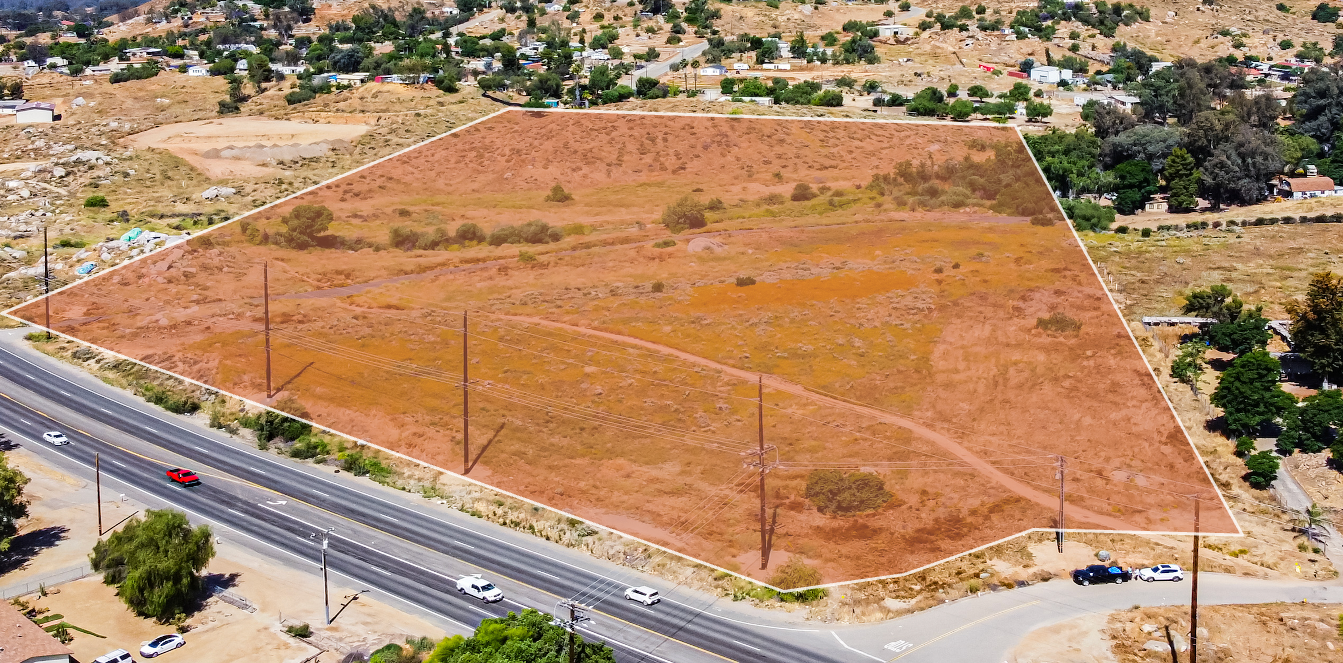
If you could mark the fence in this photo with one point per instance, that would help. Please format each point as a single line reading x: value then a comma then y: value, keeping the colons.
x: 59, y: 578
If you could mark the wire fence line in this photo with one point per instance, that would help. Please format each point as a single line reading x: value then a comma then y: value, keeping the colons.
x: 48, y: 581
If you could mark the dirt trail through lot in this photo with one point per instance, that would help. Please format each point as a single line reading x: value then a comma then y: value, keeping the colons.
x: 780, y: 384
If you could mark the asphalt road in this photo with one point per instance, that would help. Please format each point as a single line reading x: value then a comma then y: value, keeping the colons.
x: 386, y: 540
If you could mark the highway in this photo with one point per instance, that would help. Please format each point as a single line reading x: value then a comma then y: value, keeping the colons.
x: 393, y: 542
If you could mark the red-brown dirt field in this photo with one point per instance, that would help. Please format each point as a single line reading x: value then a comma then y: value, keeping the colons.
x: 896, y: 325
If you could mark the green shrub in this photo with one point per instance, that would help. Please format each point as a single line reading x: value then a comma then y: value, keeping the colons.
x: 358, y: 464
x: 299, y: 630
x: 1059, y: 323
x: 664, y: 244
x: 743, y: 281
x: 684, y: 214
x: 308, y: 447
x: 1263, y: 469
x: 270, y: 425
x: 168, y: 399
x: 796, y: 573
x: 835, y: 492
x: 526, y: 256
x: 299, y: 96
x: 389, y: 654
x: 1087, y: 215
x: 1146, y: 232
x: 96, y: 201
x: 70, y: 243
x: 558, y: 195
x: 659, y: 286
x: 803, y: 192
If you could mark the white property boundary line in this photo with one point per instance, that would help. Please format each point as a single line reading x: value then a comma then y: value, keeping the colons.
x: 1020, y: 137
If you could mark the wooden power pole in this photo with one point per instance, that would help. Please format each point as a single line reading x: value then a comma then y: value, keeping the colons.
x: 265, y: 296
x: 46, y: 280
x: 1193, y: 593
x: 98, y: 491
x: 1060, y: 532
x: 466, y: 405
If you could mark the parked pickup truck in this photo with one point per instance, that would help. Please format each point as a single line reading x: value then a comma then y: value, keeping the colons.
x: 1100, y: 573
x: 474, y: 585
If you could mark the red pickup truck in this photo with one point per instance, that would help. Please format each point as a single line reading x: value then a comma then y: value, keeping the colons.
x: 184, y: 477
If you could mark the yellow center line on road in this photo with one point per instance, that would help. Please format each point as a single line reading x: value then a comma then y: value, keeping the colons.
x: 962, y: 627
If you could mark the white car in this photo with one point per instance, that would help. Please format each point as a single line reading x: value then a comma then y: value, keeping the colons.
x: 644, y: 595
x: 474, y: 585
x: 1162, y: 572
x: 56, y: 438
x: 162, y: 645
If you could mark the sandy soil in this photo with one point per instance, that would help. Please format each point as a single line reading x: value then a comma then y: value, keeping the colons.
x: 1228, y: 634
x: 189, y: 140
x: 869, y: 322
x: 1080, y: 640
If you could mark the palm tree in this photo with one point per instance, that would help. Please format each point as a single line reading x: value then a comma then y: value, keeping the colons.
x: 1311, y: 524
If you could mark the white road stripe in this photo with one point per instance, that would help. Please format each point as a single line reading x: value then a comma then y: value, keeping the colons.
x: 483, y: 612
x: 256, y: 470
x: 395, y: 520
x: 464, y: 545
x: 379, y: 569
x: 201, y: 449
x: 319, y: 492
x: 117, y: 462
x: 746, y: 645
x: 549, y: 575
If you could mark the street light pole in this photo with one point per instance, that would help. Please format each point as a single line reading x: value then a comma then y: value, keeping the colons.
x: 326, y: 594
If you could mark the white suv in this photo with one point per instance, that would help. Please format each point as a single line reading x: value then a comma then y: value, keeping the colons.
x: 644, y: 595
x: 1162, y: 572
x: 474, y: 585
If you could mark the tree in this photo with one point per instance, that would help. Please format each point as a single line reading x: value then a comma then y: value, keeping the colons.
x: 1019, y: 93
x: 684, y: 214
x: 558, y: 195
x: 1182, y: 178
x: 1217, y: 302
x: 155, y: 563
x: 1238, y: 170
x: 1135, y: 185
x: 1037, y: 110
x: 347, y: 60
x: 303, y: 224
x: 1318, y: 102
x: 1188, y: 365
x: 832, y: 98
x: 1145, y: 142
x: 96, y: 200
x: 835, y: 492
x: 1325, y: 13
x: 1263, y: 469
x: 1317, y: 325
x: 803, y: 192
x: 1247, y: 333
x: 962, y: 109
x: 529, y: 637
x: 1157, y: 95
x: 979, y: 92
x: 1312, y: 426
x: 1249, y: 393
x: 1191, y: 91
x: 1066, y: 158
x: 13, y: 507
x: 1109, y: 120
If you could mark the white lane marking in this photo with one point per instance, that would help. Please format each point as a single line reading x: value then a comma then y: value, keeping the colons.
x: 549, y: 575
x: 150, y: 429
x: 746, y: 645
x: 105, y: 410
x: 256, y: 470
x: 117, y: 462
x: 237, y: 512
x: 857, y: 651
x: 314, y: 563
x: 379, y: 569
x: 395, y: 520
x: 464, y: 545
x: 65, y: 392
x: 483, y: 612
x: 201, y: 449
x: 524, y: 549
x: 319, y: 492
x: 25, y: 421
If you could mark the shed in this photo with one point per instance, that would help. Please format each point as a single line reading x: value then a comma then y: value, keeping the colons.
x: 198, y: 70
x: 36, y: 112
x: 22, y: 641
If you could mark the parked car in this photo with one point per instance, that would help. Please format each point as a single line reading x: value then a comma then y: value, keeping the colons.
x: 1100, y: 573
x: 56, y: 438
x: 1162, y: 572
x: 162, y: 645
x: 644, y: 595
x: 474, y: 585
x: 184, y: 477
x: 118, y: 656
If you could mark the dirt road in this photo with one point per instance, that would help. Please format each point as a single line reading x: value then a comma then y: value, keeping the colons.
x: 775, y: 382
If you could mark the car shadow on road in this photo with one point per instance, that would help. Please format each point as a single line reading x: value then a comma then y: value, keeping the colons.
x: 24, y: 547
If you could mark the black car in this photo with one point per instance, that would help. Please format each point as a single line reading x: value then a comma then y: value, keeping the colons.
x: 1100, y: 573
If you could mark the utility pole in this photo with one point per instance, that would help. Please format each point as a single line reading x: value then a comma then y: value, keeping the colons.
x: 1193, y: 594
x: 98, y: 491
x: 1062, y: 463
x: 265, y: 295
x: 757, y: 459
x: 466, y: 404
x: 577, y: 615
x: 326, y: 594
x: 46, y: 280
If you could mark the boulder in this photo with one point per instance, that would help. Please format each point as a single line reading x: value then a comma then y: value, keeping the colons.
x: 705, y: 244
x: 218, y: 192
x: 1156, y: 646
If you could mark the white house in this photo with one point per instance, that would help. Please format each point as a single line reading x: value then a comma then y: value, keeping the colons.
x: 1124, y: 101
x: 288, y: 70
x: 1158, y: 66
x: 1048, y: 74
x: 198, y: 70
x: 894, y: 31
x: 713, y: 70
x: 777, y: 65
x: 1297, y: 188
x: 740, y: 66
x: 10, y: 106
x: 35, y: 112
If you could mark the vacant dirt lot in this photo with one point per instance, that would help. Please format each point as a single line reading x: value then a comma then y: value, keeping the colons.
x: 615, y: 380
x: 199, y: 143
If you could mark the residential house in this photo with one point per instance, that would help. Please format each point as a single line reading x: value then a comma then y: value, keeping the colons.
x: 9, y: 106
x: 894, y: 31
x: 1124, y: 101
x: 713, y: 70
x: 1047, y: 74
x: 198, y: 70
x: 35, y: 112
x: 22, y: 641
x: 740, y: 66
x: 1298, y: 188
x: 143, y: 52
